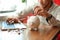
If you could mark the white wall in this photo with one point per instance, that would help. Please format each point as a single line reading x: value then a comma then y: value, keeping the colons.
x: 16, y: 4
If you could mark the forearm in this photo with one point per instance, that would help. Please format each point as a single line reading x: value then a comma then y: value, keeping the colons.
x: 53, y: 21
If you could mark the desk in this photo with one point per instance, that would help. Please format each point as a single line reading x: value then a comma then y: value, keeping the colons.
x: 30, y: 35
x: 35, y: 35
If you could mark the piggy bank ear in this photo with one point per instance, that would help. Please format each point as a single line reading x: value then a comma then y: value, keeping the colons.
x: 57, y: 2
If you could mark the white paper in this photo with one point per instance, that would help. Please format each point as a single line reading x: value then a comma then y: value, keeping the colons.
x: 11, y: 26
x: 21, y: 25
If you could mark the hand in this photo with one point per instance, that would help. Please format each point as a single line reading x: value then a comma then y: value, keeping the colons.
x: 40, y: 11
x: 12, y: 20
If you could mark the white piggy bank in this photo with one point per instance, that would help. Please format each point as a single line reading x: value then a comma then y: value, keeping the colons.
x: 33, y: 22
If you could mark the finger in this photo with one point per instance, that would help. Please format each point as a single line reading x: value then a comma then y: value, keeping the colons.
x: 43, y: 13
x: 37, y: 10
x: 36, y: 7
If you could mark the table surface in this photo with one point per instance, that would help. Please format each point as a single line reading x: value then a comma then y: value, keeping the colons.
x: 36, y: 35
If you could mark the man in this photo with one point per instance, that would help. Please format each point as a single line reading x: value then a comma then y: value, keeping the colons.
x: 50, y: 12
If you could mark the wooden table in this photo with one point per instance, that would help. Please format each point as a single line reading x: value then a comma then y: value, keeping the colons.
x: 36, y: 35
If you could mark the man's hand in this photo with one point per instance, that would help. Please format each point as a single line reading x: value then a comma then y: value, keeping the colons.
x: 12, y: 20
x: 40, y: 11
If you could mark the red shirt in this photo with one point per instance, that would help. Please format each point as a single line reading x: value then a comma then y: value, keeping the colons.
x: 58, y: 38
x: 57, y: 2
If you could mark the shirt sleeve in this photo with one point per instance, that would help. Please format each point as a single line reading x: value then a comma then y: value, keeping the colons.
x: 53, y: 21
x: 55, y: 12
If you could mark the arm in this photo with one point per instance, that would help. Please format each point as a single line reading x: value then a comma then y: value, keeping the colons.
x: 49, y: 18
x: 53, y: 21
